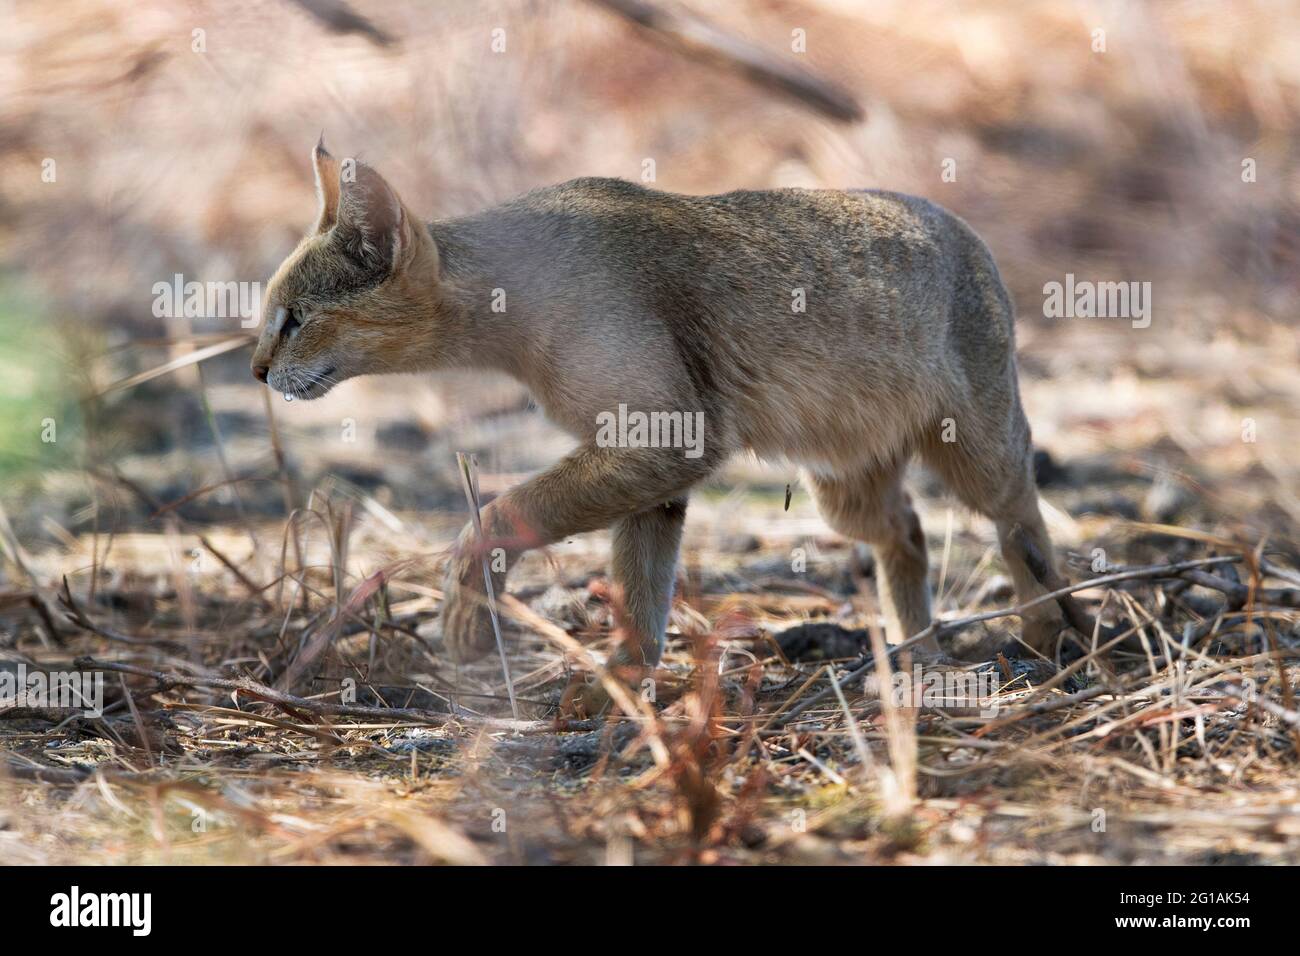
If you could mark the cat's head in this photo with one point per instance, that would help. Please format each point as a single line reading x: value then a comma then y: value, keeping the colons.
x: 356, y: 296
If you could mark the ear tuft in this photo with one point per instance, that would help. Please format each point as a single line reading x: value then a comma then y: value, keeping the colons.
x: 327, y: 185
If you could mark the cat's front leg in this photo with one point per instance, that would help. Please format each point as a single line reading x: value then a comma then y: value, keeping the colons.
x: 467, y: 632
x: 591, y: 488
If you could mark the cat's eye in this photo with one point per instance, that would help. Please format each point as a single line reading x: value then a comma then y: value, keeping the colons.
x: 291, y: 322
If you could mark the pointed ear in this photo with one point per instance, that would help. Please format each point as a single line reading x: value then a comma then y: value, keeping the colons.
x: 327, y: 185
x: 372, y: 221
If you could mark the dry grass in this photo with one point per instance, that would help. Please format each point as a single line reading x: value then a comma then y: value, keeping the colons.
x: 1180, y: 747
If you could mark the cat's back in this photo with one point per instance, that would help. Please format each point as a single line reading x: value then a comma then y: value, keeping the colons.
x: 807, y: 229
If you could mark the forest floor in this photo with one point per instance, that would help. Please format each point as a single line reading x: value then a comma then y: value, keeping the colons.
x: 288, y: 708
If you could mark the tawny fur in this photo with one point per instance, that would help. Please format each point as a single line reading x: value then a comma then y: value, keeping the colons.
x: 617, y: 294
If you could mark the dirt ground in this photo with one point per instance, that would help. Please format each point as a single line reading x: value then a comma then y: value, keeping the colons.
x: 1148, y: 754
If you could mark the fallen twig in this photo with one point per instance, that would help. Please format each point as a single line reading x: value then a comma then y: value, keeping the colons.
x: 292, y: 703
x: 701, y: 40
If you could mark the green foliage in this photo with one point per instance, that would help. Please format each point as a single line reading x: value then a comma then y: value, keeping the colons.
x: 39, y: 416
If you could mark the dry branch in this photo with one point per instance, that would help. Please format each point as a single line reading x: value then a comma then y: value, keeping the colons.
x: 699, y: 39
x: 297, y: 705
x: 337, y: 17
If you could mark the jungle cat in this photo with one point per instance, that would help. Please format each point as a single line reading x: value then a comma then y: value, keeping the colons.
x: 845, y: 331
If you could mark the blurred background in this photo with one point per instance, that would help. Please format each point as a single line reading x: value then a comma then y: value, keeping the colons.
x: 1137, y: 142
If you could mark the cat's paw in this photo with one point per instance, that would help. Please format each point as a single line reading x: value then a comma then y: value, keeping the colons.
x: 584, y: 698
x: 1042, y: 630
x: 466, y: 626
x: 589, y: 696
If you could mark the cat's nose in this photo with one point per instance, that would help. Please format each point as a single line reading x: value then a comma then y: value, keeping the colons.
x: 260, y: 372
